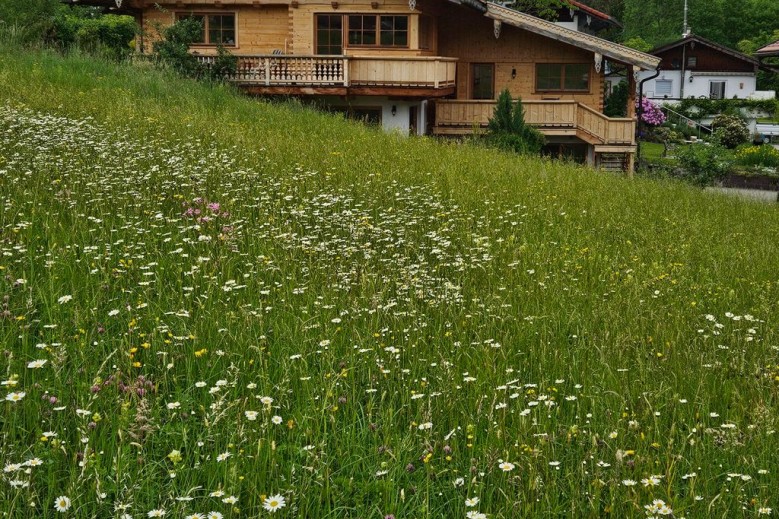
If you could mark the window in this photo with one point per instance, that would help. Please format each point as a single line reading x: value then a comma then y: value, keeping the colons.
x: 563, y: 77
x: 663, y: 87
x: 717, y: 90
x: 329, y: 34
x: 362, y: 30
x: 217, y: 29
x: 692, y: 61
x: 482, y: 81
x: 384, y: 30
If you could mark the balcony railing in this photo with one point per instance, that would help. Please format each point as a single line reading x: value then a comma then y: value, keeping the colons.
x: 548, y: 116
x: 344, y: 71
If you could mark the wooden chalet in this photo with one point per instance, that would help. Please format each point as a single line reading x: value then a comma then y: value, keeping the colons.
x: 418, y: 66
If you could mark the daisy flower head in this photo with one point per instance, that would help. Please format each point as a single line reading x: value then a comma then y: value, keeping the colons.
x: 250, y: 415
x: 214, y: 515
x: 277, y: 419
x: 62, y: 504
x: 274, y: 503
x: 37, y: 364
x: 157, y: 512
x: 764, y: 511
x: 194, y: 516
x: 505, y: 466
x: 15, y: 397
x: 473, y: 514
x: 472, y: 501
x: 223, y: 456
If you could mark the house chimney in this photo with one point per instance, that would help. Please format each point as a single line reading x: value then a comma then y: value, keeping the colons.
x: 685, y: 29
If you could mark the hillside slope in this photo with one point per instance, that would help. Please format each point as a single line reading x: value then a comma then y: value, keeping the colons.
x: 210, y: 301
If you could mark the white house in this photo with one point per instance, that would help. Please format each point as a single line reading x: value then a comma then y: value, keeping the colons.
x: 695, y: 67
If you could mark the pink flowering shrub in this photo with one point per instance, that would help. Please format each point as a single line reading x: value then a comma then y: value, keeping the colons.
x: 650, y: 113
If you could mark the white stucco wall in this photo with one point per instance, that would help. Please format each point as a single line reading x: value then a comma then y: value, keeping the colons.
x: 399, y: 122
x: 740, y: 86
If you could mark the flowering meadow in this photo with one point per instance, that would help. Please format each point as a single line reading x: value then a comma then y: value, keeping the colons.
x: 215, y: 307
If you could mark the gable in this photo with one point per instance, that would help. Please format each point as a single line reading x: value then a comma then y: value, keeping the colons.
x: 695, y: 53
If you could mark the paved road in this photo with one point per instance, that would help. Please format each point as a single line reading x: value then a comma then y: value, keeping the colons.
x: 754, y: 194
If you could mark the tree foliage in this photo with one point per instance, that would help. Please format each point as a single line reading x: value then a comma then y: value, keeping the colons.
x: 64, y: 26
x: 546, y: 9
x: 173, y: 51
x: 508, y: 130
x: 617, y: 102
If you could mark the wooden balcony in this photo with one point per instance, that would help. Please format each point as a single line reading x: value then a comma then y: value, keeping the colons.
x: 553, y: 118
x: 333, y: 74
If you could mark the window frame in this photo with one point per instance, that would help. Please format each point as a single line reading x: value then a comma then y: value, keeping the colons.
x: 377, y: 31
x: 561, y: 85
x: 330, y: 30
x: 670, y: 85
x: 718, y: 82
x: 180, y: 15
x: 472, y: 82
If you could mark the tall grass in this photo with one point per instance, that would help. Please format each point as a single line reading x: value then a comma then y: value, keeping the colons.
x: 237, y: 299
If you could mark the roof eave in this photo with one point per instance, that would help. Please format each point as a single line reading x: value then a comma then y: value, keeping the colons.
x: 607, y: 48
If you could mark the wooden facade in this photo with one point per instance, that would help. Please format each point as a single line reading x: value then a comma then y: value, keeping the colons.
x: 427, y: 65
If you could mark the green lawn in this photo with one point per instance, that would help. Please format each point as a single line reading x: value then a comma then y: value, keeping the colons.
x: 211, y: 302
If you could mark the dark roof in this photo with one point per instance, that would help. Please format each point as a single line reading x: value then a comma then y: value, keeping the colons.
x: 703, y: 41
x: 594, y: 12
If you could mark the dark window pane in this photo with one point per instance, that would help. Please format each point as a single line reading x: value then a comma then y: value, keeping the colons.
x: 577, y: 77
x: 548, y: 76
x: 482, y: 85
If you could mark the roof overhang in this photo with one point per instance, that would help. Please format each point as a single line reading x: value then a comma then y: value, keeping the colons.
x: 708, y: 43
x: 607, y: 49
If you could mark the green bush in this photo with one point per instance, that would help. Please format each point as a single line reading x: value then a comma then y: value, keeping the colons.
x: 760, y: 156
x: 697, y: 108
x: 173, y: 51
x: 705, y: 164
x: 507, y: 128
x: 30, y: 21
x: 109, y: 36
x: 730, y: 130
x: 617, y: 103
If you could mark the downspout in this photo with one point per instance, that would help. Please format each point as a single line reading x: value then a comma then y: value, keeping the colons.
x: 684, y: 67
x: 639, y: 113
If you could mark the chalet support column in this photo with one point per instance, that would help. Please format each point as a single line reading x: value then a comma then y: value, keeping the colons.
x: 598, y: 62
x: 631, y: 108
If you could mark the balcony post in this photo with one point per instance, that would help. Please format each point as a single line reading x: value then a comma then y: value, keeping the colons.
x: 346, y: 71
x: 267, y: 71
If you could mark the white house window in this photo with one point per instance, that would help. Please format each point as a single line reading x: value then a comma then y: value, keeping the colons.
x: 663, y: 87
x: 717, y: 90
